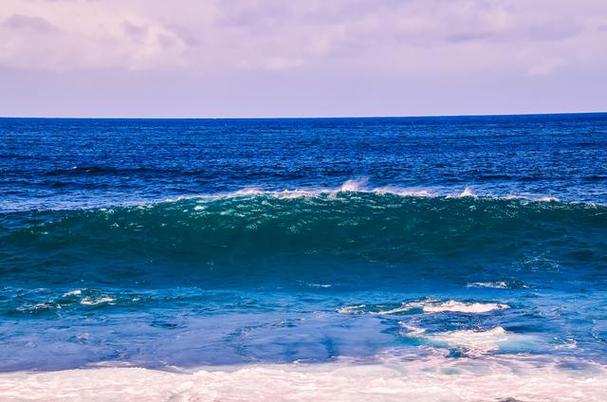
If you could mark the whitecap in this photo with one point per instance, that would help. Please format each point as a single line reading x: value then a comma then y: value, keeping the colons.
x: 88, y: 301
x: 320, y: 285
x: 348, y: 310
x: 491, y: 285
x: 360, y: 185
x: 354, y: 184
x: 468, y: 192
x: 462, y: 307
x: 405, y: 191
x: 498, y: 285
x: 428, y: 306
x: 35, y: 307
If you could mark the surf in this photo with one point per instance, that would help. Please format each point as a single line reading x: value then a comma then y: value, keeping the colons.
x: 258, y: 233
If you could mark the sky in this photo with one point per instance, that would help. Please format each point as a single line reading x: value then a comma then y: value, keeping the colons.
x: 290, y: 58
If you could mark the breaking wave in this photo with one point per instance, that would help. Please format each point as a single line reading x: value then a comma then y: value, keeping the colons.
x: 255, y: 231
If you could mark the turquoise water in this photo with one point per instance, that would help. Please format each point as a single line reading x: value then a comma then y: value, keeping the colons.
x: 196, y: 242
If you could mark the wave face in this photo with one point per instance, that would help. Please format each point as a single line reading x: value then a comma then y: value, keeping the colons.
x: 272, y: 238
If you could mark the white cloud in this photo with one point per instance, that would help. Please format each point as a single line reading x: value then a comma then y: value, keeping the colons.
x: 272, y: 34
x: 310, y: 57
x: 546, y: 67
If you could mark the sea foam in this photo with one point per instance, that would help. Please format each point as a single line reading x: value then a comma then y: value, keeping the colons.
x: 90, y: 301
x: 428, y: 306
x: 430, y: 378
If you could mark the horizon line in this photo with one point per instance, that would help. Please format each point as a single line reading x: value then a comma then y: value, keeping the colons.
x: 299, y: 117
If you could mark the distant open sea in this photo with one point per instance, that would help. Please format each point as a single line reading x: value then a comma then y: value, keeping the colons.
x: 461, y: 258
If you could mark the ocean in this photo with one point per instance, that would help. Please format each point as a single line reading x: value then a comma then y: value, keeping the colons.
x: 460, y: 257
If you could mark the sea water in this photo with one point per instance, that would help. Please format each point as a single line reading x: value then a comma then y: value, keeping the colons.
x: 454, y: 258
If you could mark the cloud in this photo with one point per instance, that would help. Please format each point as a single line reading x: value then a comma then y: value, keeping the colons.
x: 45, y: 36
x: 546, y: 67
x: 136, y: 32
x: 268, y: 34
x: 18, y: 22
x: 315, y: 57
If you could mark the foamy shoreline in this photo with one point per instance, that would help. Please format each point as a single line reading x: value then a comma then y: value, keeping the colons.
x: 427, y: 379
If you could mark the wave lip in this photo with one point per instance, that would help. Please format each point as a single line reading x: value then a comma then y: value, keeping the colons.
x: 349, y: 187
x: 361, y: 185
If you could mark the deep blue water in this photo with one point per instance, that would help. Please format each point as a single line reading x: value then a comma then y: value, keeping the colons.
x: 194, y: 242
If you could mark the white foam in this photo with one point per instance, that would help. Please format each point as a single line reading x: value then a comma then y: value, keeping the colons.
x: 354, y: 185
x: 431, y: 306
x: 461, y: 307
x: 359, y: 185
x: 35, y: 307
x: 468, y: 192
x: 547, y: 198
x: 248, y: 191
x: 569, y: 343
x: 320, y: 285
x: 491, y: 285
x: 430, y: 378
x: 289, y: 194
x: 89, y: 301
x: 76, y: 292
x: 405, y: 191
x: 347, y: 310
x: 411, y: 330
x: 475, y: 342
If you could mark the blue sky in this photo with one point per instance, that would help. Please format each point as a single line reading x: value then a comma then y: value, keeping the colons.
x: 238, y: 58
